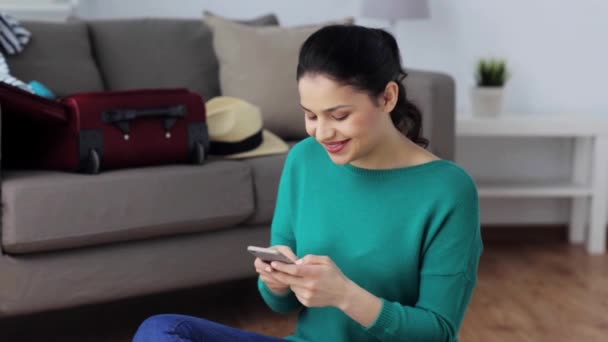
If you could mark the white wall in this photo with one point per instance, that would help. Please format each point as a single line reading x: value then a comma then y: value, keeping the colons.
x: 556, y: 51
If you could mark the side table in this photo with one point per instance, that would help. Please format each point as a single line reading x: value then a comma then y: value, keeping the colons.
x: 588, y: 188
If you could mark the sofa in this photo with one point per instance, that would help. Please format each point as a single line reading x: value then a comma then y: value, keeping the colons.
x: 71, y: 239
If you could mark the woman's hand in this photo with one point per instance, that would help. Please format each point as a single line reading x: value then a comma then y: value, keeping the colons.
x: 316, y: 281
x: 267, y: 273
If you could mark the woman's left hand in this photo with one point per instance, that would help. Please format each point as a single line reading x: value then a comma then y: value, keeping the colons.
x: 316, y: 281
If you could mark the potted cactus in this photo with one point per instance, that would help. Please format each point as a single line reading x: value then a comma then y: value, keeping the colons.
x: 487, y: 97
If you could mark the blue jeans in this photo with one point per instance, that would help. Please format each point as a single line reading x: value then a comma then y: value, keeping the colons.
x: 181, y: 328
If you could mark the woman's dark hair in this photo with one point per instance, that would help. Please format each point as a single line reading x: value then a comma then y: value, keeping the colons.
x: 366, y: 59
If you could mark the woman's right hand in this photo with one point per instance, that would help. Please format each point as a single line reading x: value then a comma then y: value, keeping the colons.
x: 265, y: 271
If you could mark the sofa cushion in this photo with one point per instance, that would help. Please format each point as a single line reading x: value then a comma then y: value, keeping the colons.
x: 59, y: 56
x: 46, y: 211
x: 159, y: 53
x: 266, y: 175
x: 266, y: 77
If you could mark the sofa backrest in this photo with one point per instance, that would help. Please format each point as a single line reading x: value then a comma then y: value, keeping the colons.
x: 119, y: 54
x: 59, y: 56
x: 156, y: 53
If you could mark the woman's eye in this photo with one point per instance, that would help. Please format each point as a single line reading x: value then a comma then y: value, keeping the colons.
x: 341, y: 117
x: 310, y: 116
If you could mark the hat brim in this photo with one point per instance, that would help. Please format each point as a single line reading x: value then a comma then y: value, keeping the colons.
x: 271, y: 144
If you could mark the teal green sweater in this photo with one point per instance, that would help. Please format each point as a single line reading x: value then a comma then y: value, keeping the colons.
x: 410, y: 236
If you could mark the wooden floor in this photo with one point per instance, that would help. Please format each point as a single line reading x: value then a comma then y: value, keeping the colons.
x: 534, y: 291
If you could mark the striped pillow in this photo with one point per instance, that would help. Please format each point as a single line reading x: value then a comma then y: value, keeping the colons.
x: 13, y: 36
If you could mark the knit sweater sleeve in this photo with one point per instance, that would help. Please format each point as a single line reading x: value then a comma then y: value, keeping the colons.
x: 282, y: 234
x: 448, y: 276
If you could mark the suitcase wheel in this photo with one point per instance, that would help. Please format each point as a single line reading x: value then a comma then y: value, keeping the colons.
x: 93, y: 162
x: 199, y: 155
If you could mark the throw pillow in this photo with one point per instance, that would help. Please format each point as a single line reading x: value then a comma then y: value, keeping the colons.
x: 258, y: 64
x: 263, y: 20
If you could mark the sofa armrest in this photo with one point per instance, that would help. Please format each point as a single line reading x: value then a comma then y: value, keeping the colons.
x: 435, y: 95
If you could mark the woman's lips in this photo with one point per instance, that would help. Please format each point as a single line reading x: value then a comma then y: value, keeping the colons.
x: 337, y: 146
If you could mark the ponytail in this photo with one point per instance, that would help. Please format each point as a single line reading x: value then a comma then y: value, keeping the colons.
x: 406, y: 117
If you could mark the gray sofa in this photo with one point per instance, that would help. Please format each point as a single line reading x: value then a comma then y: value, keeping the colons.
x: 71, y: 239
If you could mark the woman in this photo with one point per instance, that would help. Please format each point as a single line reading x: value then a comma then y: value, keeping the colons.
x: 385, y: 234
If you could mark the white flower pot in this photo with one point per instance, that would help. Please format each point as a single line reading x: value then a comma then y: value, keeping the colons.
x: 487, y: 101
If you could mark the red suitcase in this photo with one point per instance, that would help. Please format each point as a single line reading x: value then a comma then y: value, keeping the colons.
x: 120, y: 129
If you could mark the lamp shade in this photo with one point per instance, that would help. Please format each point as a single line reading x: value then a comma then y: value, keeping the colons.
x: 396, y: 9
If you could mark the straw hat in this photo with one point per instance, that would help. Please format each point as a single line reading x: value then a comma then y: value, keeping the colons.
x: 236, y: 130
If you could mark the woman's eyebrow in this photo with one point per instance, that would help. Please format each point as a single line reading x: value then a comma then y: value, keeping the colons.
x: 328, y: 110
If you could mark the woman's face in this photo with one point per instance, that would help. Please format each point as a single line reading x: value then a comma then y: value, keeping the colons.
x: 344, y: 120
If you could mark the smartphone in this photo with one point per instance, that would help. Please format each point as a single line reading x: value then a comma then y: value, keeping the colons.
x: 268, y: 254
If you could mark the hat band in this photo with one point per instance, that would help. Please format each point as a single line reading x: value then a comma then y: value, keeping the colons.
x: 225, y: 148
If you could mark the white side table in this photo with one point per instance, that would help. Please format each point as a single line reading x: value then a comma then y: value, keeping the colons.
x: 589, y: 187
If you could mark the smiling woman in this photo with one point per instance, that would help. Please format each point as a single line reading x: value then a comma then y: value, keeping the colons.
x: 387, y: 234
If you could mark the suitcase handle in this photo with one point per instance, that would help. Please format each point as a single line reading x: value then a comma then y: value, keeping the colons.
x: 120, y: 117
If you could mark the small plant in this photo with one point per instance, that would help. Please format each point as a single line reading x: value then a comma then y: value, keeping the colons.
x: 491, y: 73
